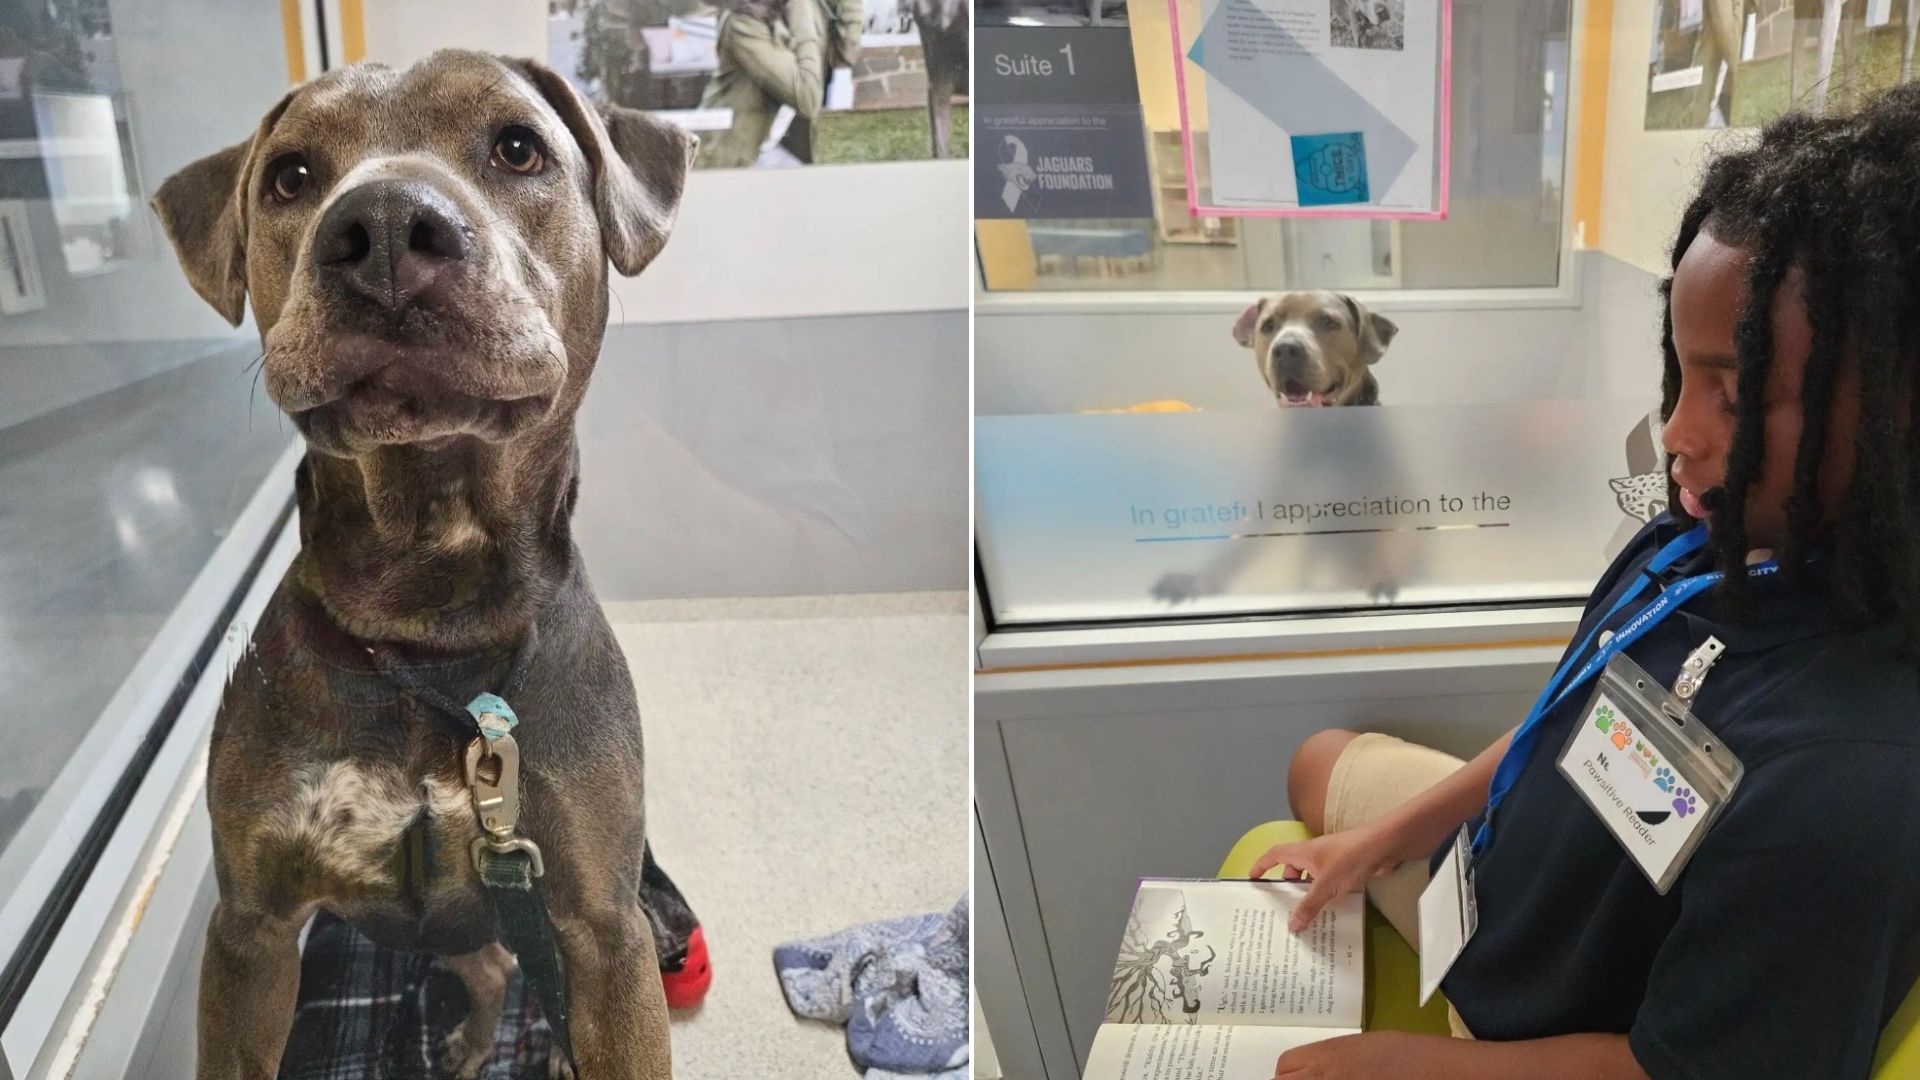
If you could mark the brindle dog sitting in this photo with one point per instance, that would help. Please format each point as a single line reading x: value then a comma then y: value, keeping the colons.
x: 426, y: 252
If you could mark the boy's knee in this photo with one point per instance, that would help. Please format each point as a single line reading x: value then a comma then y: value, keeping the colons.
x: 1309, y: 772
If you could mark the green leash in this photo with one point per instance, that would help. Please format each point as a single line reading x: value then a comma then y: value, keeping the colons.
x: 522, y: 911
x: 509, y: 865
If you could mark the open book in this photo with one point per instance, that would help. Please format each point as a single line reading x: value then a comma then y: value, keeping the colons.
x: 1211, y: 984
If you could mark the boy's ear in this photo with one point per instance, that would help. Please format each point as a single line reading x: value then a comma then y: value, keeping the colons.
x: 639, y: 168
x: 203, y: 209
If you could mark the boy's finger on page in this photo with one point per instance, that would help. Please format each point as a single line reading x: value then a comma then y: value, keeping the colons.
x: 1299, y: 921
x: 1310, y: 906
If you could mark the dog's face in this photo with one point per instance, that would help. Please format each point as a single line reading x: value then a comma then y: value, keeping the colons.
x: 426, y: 249
x: 1371, y: 12
x: 1314, y: 348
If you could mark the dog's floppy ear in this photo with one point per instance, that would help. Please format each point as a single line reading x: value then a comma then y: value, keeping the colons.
x: 1250, y: 318
x: 1374, y: 331
x: 203, y: 209
x: 639, y: 168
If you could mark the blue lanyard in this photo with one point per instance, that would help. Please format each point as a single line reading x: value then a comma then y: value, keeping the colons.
x: 1507, y: 773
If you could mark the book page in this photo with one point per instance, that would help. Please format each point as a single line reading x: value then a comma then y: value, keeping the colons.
x: 1212, y: 1052
x: 1219, y: 952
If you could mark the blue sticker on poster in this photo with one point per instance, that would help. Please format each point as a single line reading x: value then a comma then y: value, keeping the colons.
x: 1330, y: 170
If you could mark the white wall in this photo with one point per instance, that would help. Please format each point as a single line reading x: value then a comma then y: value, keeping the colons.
x: 400, y: 32
x: 986, y: 1064
x: 826, y: 240
x: 777, y: 456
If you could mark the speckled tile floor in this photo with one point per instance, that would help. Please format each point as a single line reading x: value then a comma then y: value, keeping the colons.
x: 806, y: 771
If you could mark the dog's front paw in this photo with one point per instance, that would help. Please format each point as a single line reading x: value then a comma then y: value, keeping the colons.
x: 467, y: 1052
x: 557, y: 1067
x: 1179, y: 588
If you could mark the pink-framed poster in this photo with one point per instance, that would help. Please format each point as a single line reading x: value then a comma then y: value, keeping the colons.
x: 1315, y: 108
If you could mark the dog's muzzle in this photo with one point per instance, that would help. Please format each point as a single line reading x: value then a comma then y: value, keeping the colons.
x: 408, y: 339
x: 1292, y: 373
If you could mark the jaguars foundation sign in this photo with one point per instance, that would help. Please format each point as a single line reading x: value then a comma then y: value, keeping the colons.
x: 1057, y: 125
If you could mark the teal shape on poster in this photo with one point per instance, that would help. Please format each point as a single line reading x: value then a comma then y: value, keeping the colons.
x: 1330, y: 170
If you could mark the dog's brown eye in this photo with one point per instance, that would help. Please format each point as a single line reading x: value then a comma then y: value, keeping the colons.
x: 518, y: 149
x: 1326, y: 324
x: 289, y: 175
x: 1267, y: 327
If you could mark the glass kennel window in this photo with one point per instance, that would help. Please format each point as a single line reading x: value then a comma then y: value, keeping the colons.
x: 143, y: 480
x: 1137, y: 458
x: 1510, y: 87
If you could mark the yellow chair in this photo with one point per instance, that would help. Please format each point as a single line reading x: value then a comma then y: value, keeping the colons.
x: 1393, y: 972
x: 1898, y: 1057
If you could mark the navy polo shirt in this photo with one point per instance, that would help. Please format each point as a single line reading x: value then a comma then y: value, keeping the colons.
x: 1794, y: 932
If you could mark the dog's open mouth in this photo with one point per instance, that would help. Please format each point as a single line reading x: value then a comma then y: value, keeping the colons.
x: 1294, y: 394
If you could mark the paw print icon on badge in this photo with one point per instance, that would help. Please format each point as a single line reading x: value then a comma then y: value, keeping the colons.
x: 1684, y: 803
x: 1663, y: 779
x: 1622, y: 734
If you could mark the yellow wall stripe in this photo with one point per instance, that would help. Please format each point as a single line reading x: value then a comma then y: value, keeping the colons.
x: 1006, y: 253
x: 1590, y: 151
x: 353, y: 31
x: 296, y: 42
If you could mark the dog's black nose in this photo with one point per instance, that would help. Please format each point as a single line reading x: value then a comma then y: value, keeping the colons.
x: 390, y: 240
x: 1289, y: 350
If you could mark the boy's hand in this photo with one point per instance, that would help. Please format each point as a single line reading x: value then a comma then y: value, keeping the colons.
x: 1403, y: 1056
x: 1362, y: 1057
x: 1336, y: 864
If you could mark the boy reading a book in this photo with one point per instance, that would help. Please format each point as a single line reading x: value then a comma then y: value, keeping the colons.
x: 1792, y: 931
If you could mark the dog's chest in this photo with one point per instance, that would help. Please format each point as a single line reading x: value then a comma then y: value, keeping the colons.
x: 357, y: 828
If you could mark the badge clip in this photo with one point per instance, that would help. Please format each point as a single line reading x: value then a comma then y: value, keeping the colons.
x: 1693, y: 674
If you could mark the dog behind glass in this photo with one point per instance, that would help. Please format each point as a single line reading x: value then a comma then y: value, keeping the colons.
x: 1315, y: 349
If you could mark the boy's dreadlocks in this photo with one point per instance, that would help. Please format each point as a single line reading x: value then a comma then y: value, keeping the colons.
x: 1840, y: 198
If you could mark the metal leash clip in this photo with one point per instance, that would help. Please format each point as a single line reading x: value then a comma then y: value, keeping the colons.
x: 496, y: 801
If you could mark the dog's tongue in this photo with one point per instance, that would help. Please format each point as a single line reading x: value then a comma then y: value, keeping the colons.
x: 1295, y: 395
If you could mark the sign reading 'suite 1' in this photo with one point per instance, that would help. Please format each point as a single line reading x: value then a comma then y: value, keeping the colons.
x: 1057, y: 125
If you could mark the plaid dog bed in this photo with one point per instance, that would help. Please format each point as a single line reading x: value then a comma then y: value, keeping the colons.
x: 369, y: 1013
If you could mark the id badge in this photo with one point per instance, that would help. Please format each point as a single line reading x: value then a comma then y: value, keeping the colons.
x: 1448, y: 914
x: 1651, y: 771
